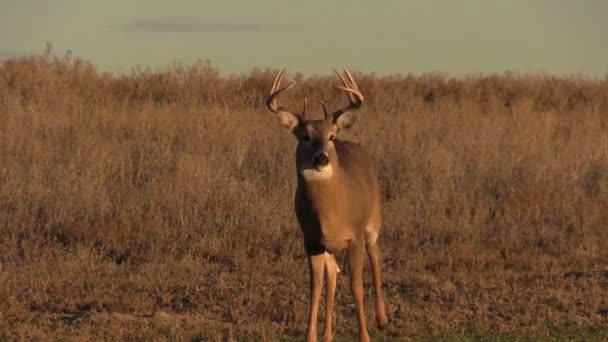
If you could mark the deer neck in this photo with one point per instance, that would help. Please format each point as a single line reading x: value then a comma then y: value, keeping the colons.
x: 321, y: 189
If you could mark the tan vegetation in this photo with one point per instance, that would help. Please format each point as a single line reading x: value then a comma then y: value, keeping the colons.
x: 158, y: 205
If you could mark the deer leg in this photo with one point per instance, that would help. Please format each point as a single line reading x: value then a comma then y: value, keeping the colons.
x: 373, y: 252
x: 331, y: 271
x: 316, y: 263
x: 356, y: 258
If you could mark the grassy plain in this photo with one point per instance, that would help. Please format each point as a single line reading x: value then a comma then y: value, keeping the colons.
x: 157, y: 205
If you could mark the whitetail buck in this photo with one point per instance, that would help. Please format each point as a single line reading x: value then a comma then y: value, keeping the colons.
x: 337, y: 203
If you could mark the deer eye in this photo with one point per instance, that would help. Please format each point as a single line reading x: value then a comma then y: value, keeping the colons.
x: 306, y: 138
x: 332, y: 137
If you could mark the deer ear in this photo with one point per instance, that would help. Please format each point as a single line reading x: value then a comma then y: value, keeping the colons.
x: 346, y: 120
x: 288, y: 120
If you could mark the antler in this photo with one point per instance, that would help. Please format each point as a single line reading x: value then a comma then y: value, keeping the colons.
x: 355, y: 96
x: 276, y: 89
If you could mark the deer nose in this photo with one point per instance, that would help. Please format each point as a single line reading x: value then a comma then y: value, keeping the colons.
x: 321, y: 160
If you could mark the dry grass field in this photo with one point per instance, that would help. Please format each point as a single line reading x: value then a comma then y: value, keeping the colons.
x: 157, y: 205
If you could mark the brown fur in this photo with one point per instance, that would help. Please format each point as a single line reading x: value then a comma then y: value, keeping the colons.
x: 335, y: 211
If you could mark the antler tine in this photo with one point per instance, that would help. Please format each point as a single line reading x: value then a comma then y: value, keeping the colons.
x: 325, y: 111
x: 350, y: 86
x: 355, y: 96
x: 327, y: 116
x: 274, y: 81
x: 351, y: 92
x: 345, y: 84
x: 274, y: 93
x: 351, y: 79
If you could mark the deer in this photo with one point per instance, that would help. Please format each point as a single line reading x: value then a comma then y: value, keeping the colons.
x: 336, y: 202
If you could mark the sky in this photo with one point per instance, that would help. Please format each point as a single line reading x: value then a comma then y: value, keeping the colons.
x: 314, y: 36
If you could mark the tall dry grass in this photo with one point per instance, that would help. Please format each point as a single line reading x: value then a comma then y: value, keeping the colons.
x: 157, y: 204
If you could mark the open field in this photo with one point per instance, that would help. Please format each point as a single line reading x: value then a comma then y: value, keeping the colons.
x: 158, y: 205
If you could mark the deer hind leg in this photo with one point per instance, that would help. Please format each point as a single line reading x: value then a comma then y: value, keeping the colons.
x: 373, y: 252
x: 331, y: 271
x: 356, y: 258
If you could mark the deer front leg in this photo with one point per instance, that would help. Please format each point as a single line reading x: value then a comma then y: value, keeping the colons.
x: 331, y: 270
x: 356, y: 257
x: 316, y: 263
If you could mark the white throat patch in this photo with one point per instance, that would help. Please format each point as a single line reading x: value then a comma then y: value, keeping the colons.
x: 313, y: 174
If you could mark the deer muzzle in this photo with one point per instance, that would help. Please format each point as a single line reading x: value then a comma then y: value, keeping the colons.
x: 321, y: 160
